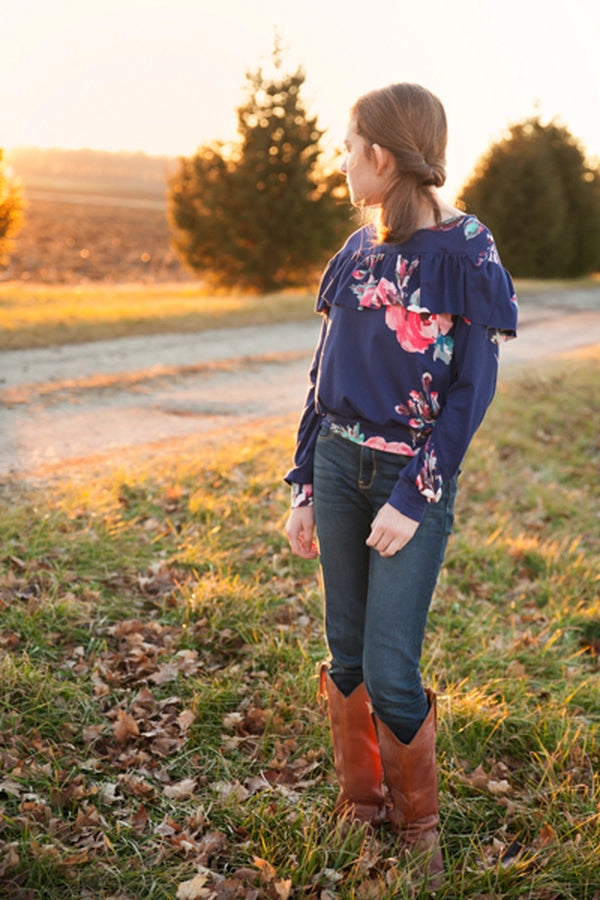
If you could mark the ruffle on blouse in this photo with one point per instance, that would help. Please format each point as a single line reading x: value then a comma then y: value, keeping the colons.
x: 454, y: 271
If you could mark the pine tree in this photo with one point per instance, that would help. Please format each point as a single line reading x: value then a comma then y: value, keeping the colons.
x: 11, y: 212
x: 541, y: 198
x: 261, y: 214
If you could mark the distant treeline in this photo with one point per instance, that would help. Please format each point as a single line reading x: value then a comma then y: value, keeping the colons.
x: 40, y: 168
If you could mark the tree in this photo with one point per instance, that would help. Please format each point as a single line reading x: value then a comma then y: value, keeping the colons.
x: 11, y: 212
x: 541, y: 198
x: 260, y: 214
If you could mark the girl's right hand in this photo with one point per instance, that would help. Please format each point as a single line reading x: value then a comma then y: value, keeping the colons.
x: 300, y: 530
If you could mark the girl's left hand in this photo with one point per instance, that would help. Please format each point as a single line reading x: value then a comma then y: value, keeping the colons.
x: 390, y: 531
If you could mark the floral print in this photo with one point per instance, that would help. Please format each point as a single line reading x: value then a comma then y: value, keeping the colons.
x: 350, y: 432
x: 377, y: 442
x: 442, y: 301
x: 416, y: 328
x: 416, y: 331
x: 302, y: 495
x: 356, y: 434
x: 429, y: 481
x: 472, y: 227
x: 375, y: 294
x: 422, y: 408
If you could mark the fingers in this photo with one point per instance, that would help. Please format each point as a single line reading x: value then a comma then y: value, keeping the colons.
x: 300, y: 531
x: 301, y: 546
x: 385, y: 545
x: 390, y: 531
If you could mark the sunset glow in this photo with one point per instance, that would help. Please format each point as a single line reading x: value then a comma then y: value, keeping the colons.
x: 165, y: 77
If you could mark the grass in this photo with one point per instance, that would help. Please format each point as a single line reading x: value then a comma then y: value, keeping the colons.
x: 159, y: 732
x: 42, y: 315
x: 38, y: 315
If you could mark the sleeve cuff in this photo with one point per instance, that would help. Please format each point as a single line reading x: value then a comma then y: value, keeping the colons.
x: 408, y: 500
x: 301, y: 495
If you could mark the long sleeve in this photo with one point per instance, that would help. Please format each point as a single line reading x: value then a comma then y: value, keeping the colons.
x: 408, y: 355
x: 476, y: 360
x: 308, y: 428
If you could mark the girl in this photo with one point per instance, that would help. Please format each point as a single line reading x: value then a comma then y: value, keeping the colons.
x: 414, y: 307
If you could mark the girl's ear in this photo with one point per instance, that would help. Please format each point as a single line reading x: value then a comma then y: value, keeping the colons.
x: 384, y: 160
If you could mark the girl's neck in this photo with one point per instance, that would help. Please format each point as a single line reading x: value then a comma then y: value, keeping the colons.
x: 428, y: 219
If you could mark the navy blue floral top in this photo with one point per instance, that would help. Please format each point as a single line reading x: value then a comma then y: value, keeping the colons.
x: 408, y: 353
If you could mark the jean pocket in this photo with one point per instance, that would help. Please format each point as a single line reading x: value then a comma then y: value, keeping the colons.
x: 325, y: 433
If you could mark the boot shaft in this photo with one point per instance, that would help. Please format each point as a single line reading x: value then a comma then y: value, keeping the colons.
x: 411, y: 777
x: 356, y: 752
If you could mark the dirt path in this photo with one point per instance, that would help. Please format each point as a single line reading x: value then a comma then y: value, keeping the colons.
x: 112, y: 400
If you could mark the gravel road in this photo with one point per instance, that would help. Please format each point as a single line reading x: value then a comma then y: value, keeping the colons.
x: 110, y: 400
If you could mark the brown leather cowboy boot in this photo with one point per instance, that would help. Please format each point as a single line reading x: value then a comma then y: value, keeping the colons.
x: 411, y: 777
x: 356, y: 753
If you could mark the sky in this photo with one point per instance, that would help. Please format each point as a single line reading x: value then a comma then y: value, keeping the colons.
x: 166, y: 77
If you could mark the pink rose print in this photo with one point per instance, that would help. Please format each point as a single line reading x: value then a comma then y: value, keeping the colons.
x: 375, y: 294
x: 379, y: 443
x: 416, y: 331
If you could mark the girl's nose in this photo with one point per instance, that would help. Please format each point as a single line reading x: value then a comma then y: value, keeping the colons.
x: 343, y: 166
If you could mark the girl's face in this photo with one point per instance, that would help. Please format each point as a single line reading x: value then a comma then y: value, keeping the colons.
x: 359, y: 165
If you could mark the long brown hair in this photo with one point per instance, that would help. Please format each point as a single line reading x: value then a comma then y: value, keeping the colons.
x: 410, y: 122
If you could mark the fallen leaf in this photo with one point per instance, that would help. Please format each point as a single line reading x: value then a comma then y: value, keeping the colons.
x: 498, y: 787
x: 192, y: 889
x: 11, y: 787
x: 185, y: 719
x: 546, y: 835
x: 10, y: 858
x: 283, y: 888
x: 180, y: 790
x: 125, y: 727
x: 231, y: 791
x: 139, y: 820
x: 210, y: 845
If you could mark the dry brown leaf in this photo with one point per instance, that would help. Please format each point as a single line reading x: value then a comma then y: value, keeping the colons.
x: 9, y: 857
x: 547, y: 835
x: 371, y: 889
x: 210, y: 845
x: 185, y: 719
x: 125, y: 727
x: 180, y: 790
x: 139, y: 820
x: 165, y: 746
x: 91, y: 733
x: 477, y: 779
x: 498, y: 787
x: 227, y: 790
x: 283, y: 888
x: 265, y: 868
x: 192, y: 889
x: 11, y: 787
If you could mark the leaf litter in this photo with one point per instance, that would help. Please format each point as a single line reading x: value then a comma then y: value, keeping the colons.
x: 162, y: 719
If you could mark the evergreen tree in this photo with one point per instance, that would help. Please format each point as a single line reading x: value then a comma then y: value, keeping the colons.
x: 540, y: 197
x: 11, y: 212
x: 262, y: 214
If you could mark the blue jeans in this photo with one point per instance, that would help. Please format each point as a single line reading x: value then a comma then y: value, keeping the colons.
x: 375, y: 608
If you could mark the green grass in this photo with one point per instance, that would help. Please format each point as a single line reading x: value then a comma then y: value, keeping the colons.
x: 158, y: 657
